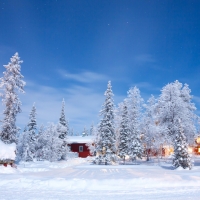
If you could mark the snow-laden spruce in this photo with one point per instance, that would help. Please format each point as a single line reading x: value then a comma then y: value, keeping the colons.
x: 105, y: 139
x: 118, y: 119
x: 26, y: 148
x: 181, y: 157
x: 63, y: 131
x: 92, y: 129
x: 134, y: 105
x: 124, y: 134
x: 12, y: 84
x: 174, y: 104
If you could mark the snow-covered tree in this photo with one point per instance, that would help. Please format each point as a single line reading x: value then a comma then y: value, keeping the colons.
x: 50, y: 144
x: 181, y: 157
x: 32, y: 129
x: 91, y: 144
x: 23, y: 147
x: 152, y: 133
x: 124, y: 134
x: 54, y: 143
x: 92, y: 129
x: 105, y: 140
x: 85, y: 132
x: 63, y: 131
x: 175, y: 103
x: 118, y: 118
x: 134, y: 105
x: 41, y: 141
x: 28, y: 139
x: 72, y: 132
x: 12, y: 84
x: 62, y: 121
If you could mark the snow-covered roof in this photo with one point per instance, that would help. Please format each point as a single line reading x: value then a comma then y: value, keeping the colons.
x: 7, y: 151
x: 80, y: 139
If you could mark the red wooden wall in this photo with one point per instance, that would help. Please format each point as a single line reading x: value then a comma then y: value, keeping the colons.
x: 75, y: 148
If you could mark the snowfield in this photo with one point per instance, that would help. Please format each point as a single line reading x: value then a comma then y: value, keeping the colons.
x: 78, y: 178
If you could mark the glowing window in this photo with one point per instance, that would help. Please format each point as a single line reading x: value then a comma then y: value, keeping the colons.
x: 198, y: 140
x: 199, y: 150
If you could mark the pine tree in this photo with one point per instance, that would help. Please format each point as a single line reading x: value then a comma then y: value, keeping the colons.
x: 63, y: 131
x: 40, y: 143
x: 62, y: 121
x: 92, y: 129
x: 28, y: 139
x: 124, y: 134
x: 181, y: 155
x: 118, y: 119
x: 105, y: 142
x: 11, y: 83
x: 23, y: 147
x: 72, y: 132
x: 32, y: 129
x: 134, y: 102
x: 85, y: 132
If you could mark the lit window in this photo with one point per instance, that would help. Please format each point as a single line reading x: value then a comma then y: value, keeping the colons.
x: 199, y: 150
x: 190, y: 150
x: 198, y: 140
x: 80, y: 148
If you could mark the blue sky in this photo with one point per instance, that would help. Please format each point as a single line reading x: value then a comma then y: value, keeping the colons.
x: 71, y: 48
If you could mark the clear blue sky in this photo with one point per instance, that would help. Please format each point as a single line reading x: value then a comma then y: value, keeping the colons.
x: 71, y: 48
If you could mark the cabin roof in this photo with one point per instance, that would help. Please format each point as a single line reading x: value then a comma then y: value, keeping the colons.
x: 79, y: 139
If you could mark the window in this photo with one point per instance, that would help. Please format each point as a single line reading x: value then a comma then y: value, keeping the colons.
x: 80, y: 148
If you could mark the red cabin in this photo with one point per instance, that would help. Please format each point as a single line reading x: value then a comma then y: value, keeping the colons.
x: 78, y: 144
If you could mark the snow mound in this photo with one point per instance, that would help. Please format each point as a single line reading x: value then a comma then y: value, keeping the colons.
x: 7, y: 170
x: 7, y: 151
x: 42, y: 166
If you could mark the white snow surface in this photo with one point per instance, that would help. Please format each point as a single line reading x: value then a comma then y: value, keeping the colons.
x: 80, y: 139
x: 79, y: 179
x: 7, y: 151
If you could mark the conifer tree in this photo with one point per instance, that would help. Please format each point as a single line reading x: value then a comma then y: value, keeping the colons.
x: 40, y: 143
x: 92, y: 129
x: 63, y: 131
x: 12, y: 84
x: 32, y: 128
x: 28, y: 139
x: 134, y: 102
x: 23, y: 147
x: 124, y: 134
x: 105, y: 141
x: 181, y: 155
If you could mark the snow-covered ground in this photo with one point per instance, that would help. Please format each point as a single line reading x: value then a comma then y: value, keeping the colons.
x: 79, y: 179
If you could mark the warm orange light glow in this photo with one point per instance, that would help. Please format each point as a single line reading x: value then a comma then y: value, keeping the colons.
x: 190, y: 150
x: 198, y: 140
x: 198, y: 150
